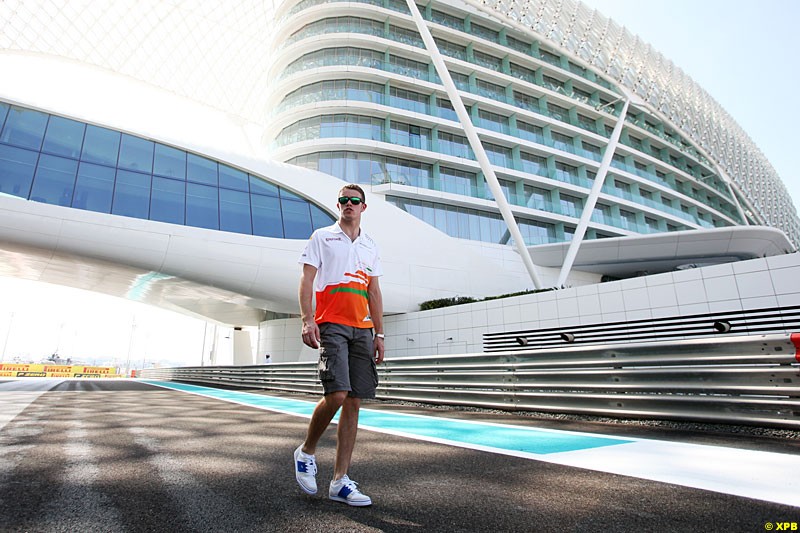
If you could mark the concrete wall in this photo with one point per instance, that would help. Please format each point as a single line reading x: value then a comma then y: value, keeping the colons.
x: 765, y: 282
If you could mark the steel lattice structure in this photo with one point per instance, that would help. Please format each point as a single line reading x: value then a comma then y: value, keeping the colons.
x: 603, y: 45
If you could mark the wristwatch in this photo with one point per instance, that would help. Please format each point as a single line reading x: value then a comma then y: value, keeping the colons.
x: 380, y: 335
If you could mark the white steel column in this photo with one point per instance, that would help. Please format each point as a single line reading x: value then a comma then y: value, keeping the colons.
x: 583, y: 223
x: 729, y: 185
x: 475, y: 143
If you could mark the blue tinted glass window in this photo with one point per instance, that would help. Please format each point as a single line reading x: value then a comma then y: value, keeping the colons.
x: 320, y: 218
x: 169, y: 162
x: 94, y: 188
x: 234, y: 211
x: 267, y: 219
x: 232, y: 178
x: 259, y: 186
x: 3, y: 112
x: 296, y: 219
x: 290, y: 195
x: 168, y: 200
x: 24, y: 127
x: 64, y: 137
x: 54, y: 180
x: 202, y: 206
x: 100, y: 146
x: 136, y: 154
x: 201, y: 170
x: 16, y: 170
x: 131, y: 194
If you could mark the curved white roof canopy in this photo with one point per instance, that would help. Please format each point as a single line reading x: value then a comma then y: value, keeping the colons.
x: 227, y: 277
x: 623, y: 257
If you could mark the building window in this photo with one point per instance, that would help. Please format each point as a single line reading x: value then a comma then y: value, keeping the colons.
x: 533, y: 164
x: 493, y: 121
x: 410, y: 135
x: 525, y: 101
x: 455, y: 145
x: 550, y: 57
x: 446, y: 19
x: 565, y: 172
x: 487, y: 60
x: 449, y: 49
x: 594, y: 152
x: 409, y: 100
x: 458, y: 181
x: 558, y: 112
x: 465, y: 223
x: 537, y: 198
x: 570, y: 205
x: 491, y: 90
x: 445, y: 109
x: 523, y: 73
x: 601, y: 213
x: 484, y: 32
x: 531, y: 132
x: 518, y: 45
x: 499, y: 155
x: 563, y: 142
x: 98, y: 169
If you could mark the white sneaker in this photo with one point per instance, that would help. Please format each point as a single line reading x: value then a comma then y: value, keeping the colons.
x: 305, y: 470
x: 345, y: 490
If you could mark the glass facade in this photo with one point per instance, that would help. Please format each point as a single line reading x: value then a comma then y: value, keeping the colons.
x: 544, y: 122
x: 50, y: 159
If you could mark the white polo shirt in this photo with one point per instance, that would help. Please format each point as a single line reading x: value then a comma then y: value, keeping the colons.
x: 344, y: 268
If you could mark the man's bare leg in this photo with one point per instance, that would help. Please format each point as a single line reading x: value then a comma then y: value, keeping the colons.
x: 346, y: 436
x: 321, y: 418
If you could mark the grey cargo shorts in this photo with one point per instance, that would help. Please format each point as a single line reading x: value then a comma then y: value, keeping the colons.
x: 346, y: 360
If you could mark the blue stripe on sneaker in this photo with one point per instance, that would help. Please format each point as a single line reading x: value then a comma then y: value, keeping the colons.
x: 508, y: 438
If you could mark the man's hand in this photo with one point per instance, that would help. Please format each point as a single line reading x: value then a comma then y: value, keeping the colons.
x: 379, y: 349
x: 311, y: 334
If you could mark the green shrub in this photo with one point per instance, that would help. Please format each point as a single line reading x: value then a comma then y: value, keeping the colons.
x: 458, y: 300
x: 445, y: 302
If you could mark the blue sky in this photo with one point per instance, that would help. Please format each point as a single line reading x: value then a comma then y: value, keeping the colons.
x: 743, y: 53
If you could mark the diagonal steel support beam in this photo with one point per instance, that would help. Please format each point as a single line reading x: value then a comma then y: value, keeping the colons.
x: 594, y: 194
x: 475, y: 143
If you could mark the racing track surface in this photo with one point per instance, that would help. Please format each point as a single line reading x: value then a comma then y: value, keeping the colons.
x: 123, y: 455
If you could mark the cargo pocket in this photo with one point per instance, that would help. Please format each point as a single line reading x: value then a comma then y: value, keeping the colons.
x: 325, y: 366
x: 374, y: 373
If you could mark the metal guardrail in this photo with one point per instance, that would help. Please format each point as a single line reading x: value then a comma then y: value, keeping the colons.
x: 752, y: 380
x: 747, y: 322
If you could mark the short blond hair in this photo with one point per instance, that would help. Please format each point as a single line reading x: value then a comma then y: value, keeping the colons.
x: 355, y: 187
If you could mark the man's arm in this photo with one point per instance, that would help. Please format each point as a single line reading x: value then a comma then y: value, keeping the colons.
x: 376, y: 313
x: 310, y: 330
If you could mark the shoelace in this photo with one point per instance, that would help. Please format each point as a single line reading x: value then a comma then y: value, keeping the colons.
x: 349, y: 483
x: 311, y: 466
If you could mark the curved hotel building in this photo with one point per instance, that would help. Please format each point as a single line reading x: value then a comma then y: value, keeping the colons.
x: 357, y: 96
x: 180, y: 154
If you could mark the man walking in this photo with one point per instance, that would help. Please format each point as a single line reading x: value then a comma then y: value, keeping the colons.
x: 341, y: 265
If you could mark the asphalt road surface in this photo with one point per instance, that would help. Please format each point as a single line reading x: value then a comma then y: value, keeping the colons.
x: 121, y: 455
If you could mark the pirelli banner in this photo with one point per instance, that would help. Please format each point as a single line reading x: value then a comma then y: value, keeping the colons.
x: 12, y: 370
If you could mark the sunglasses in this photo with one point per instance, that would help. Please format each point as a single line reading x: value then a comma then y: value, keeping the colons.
x: 355, y: 200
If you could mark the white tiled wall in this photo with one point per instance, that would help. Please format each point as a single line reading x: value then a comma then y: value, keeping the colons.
x: 766, y: 282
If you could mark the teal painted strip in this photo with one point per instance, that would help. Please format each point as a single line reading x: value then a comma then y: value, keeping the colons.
x: 504, y: 437
x: 501, y: 437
